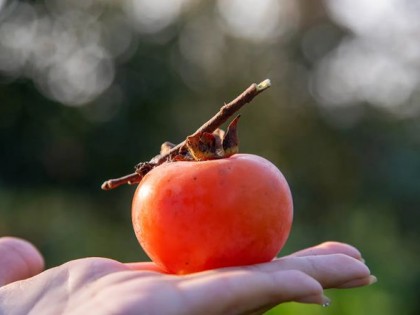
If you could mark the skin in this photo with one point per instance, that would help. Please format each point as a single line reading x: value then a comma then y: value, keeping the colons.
x: 105, y: 286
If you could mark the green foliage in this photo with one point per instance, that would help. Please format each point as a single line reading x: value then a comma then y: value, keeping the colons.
x: 67, y: 225
x: 365, y: 301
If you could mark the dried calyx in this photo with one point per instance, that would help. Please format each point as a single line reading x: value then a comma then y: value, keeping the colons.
x: 216, y: 145
x: 207, y: 143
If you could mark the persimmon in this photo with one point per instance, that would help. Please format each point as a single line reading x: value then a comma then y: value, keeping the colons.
x: 191, y: 216
x: 200, y: 205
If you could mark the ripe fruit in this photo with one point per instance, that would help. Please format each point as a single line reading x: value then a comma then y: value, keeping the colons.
x: 191, y: 216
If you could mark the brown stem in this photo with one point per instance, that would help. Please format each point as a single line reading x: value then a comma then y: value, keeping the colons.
x: 130, y: 179
x: 225, y: 112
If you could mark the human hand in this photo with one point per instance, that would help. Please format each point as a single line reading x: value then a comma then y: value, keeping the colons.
x: 105, y: 286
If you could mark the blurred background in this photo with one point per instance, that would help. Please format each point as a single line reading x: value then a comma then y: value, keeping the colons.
x: 88, y: 88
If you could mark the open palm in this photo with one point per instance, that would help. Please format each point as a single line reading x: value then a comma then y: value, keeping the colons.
x: 105, y: 286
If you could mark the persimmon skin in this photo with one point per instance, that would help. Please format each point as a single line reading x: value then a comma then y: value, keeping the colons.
x: 195, y: 216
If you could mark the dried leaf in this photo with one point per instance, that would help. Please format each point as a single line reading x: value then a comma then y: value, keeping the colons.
x: 231, y: 140
x: 203, y: 146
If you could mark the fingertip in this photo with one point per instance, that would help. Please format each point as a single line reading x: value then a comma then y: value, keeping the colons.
x: 26, y: 250
x: 19, y: 259
x: 330, y: 247
x: 308, y: 290
x: 319, y: 299
x: 358, y: 268
x: 301, y: 287
x: 342, y: 248
x: 360, y: 282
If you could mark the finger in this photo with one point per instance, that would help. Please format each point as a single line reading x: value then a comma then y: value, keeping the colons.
x: 19, y: 260
x: 328, y: 248
x: 238, y: 291
x: 331, y: 271
x: 358, y: 282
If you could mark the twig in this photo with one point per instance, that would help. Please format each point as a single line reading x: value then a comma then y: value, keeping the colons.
x: 225, y: 112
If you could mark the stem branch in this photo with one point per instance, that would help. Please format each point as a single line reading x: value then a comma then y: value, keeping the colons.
x: 225, y: 112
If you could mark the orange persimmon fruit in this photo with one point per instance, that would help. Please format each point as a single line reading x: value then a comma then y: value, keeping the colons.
x: 191, y: 216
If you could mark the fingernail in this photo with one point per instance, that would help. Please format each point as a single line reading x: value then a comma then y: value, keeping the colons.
x: 326, y: 301
x: 362, y: 260
x: 372, y: 279
x: 315, y: 299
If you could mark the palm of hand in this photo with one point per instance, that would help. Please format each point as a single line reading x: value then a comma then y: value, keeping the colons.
x: 104, y: 286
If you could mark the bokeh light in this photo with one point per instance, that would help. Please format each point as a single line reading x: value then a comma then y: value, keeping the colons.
x: 378, y: 61
x: 60, y: 46
x: 153, y: 16
x: 259, y: 21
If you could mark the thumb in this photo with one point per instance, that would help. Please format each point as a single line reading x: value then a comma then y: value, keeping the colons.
x: 19, y: 260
